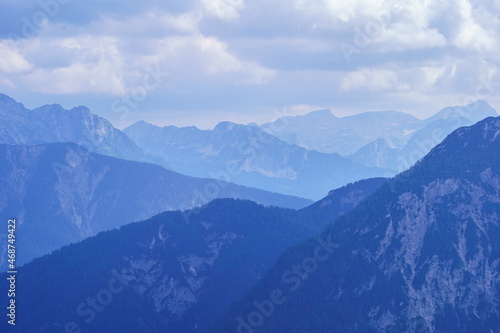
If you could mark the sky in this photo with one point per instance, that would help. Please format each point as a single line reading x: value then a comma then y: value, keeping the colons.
x: 199, y: 62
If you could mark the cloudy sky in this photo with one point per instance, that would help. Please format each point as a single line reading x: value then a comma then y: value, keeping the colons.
x: 203, y: 61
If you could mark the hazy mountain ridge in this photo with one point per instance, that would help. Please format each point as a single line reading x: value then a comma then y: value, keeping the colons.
x: 61, y: 193
x: 385, y: 142
x: 435, y: 129
x: 324, y: 132
x: 386, y: 139
x: 249, y: 156
x: 426, y: 243
x: 241, y: 154
x: 53, y: 123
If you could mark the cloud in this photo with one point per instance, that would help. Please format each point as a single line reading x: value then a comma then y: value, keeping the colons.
x: 12, y: 61
x: 404, y: 36
x: 151, y: 24
x: 95, y: 66
x: 431, y: 75
x: 226, y: 10
x: 115, y: 57
x: 398, y: 26
x: 344, y: 11
x: 223, y: 54
x: 195, y: 56
x: 373, y: 79
x: 470, y: 33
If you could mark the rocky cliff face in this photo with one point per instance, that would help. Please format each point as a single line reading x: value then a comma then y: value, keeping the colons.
x: 173, y: 289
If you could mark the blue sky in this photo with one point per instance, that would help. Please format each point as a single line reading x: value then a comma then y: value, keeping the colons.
x: 198, y: 62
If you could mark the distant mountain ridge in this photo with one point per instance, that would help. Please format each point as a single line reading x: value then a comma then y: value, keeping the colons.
x: 386, y: 139
x: 241, y: 154
x: 324, y: 132
x: 53, y: 123
x: 271, y: 157
x: 386, y: 142
x: 248, y: 156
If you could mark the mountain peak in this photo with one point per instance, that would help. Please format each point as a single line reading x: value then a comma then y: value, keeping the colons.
x: 325, y: 113
x: 7, y: 102
x: 81, y: 109
x: 475, y: 111
x: 53, y: 123
x: 141, y: 124
x: 471, y: 143
x: 52, y: 108
x: 479, y: 103
x: 383, y: 115
x: 225, y: 126
x: 479, y: 110
x: 5, y: 98
x: 468, y: 137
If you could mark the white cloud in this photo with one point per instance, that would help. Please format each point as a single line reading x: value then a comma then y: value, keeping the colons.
x: 470, y: 33
x: 97, y: 66
x: 288, y: 51
x: 12, y: 60
x: 226, y: 10
x: 402, y: 37
x: 108, y: 63
x: 409, y: 25
x: 195, y: 56
x: 344, y: 11
x: 373, y: 79
x: 431, y: 75
x: 150, y: 24
x: 385, y: 25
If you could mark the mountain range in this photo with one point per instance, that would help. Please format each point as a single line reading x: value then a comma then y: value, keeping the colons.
x: 304, y: 156
x: 61, y: 194
x: 390, y: 140
x: 421, y: 254
x: 175, y: 276
x: 416, y: 253
x: 53, y: 123
x: 247, y: 155
x: 324, y: 132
